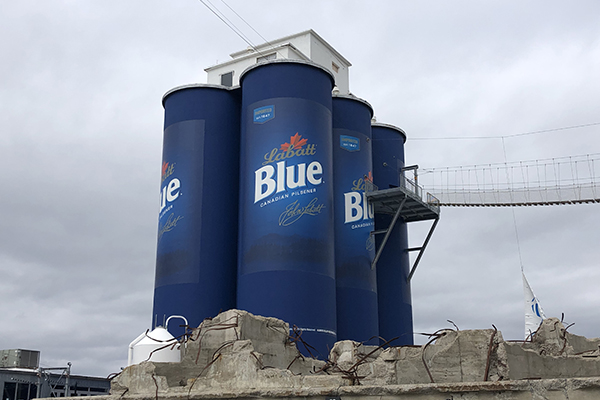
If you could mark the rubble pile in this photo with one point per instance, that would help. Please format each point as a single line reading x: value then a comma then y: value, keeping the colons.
x: 238, y: 351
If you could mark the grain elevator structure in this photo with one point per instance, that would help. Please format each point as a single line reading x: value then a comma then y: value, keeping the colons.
x: 280, y: 196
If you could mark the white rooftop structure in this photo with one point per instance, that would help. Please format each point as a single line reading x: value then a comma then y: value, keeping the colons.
x: 307, y: 45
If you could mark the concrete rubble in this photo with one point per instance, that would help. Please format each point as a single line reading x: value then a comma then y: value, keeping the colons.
x: 239, y: 355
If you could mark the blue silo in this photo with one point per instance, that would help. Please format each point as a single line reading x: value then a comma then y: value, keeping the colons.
x: 393, y: 267
x: 196, y: 259
x: 356, y: 280
x: 286, y: 254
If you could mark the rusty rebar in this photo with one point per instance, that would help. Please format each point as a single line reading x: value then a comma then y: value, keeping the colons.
x: 166, y: 346
x: 112, y: 375
x: 452, y: 322
x: 423, y: 359
x: 200, y: 374
x: 434, y: 336
x: 298, y: 337
x: 352, y: 372
x: 359, y: 362
x: 260, y: 364
x: 489, y: 354
x: 294, y: 360
x: 564, y: 337
x: 156, y: 385
x: 217, y: 327
x: 123, y: 394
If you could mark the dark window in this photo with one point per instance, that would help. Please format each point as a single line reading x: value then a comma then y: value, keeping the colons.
x: 101, y: 390
x: 23, y: 391
x: 10, y: 391
x: 227, y: 79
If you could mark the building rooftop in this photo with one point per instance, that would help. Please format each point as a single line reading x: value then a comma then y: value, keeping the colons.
x: 306, y: 45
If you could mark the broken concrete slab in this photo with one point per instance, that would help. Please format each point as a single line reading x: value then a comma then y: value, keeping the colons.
x: 465, y: 356
x: 583, y: 346
x: 553, y: 353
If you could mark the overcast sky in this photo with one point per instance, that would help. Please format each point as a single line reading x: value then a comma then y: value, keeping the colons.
x: 81, y: 120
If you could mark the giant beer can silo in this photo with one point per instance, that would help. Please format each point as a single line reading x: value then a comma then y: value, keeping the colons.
x: 393, y: 287
x: 356, y: 281
x: 196, y: 259
x: 286, y: 255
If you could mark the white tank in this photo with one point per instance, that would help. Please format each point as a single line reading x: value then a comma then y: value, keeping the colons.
x: 146, y: 346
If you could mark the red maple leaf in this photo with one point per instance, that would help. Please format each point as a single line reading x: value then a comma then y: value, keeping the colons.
x: 164, y: 168
x: 369, y: 177
x: 295, y: 143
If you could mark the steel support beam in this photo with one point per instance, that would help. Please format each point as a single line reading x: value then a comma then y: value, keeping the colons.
x: 388, y: 233
x: 422, y: 249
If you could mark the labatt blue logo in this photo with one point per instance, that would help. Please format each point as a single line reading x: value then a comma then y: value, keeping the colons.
x: 168, y: 194
x: 272, y: 179
x: 356, y: 207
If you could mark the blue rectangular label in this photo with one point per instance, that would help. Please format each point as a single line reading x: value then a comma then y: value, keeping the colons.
x: 349, y: 143
x: 264, y: 114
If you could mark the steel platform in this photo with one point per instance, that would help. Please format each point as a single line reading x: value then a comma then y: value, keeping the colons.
x: 404, y: 202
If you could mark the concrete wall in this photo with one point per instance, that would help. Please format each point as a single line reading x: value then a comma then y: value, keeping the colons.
x: 239, y: 355
x: 553, y: 389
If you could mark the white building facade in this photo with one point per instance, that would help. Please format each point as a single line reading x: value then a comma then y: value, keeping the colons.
x: 307, y: 45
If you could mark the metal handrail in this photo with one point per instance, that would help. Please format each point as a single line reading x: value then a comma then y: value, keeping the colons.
x: 410, y: 186
x: 370, y: 186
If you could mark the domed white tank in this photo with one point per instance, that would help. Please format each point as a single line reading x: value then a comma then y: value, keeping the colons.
x: 158, y: 346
